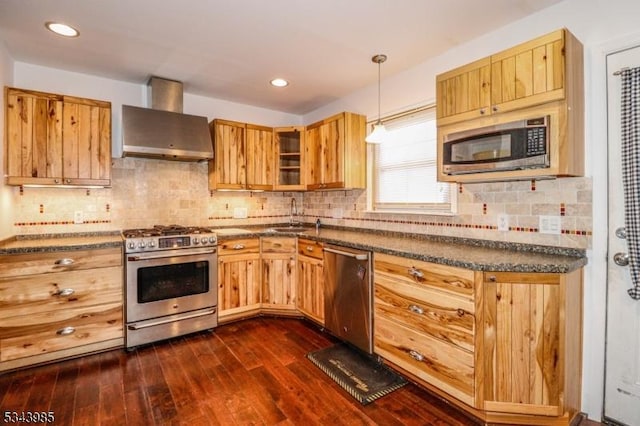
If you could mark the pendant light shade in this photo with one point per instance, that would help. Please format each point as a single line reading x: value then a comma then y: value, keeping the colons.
x: 379, y: 132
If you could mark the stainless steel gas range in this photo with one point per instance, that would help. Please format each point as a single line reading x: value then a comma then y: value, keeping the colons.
x: 171, y: 282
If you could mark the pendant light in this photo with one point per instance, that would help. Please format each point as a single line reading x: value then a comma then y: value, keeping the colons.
x: 379, y: 133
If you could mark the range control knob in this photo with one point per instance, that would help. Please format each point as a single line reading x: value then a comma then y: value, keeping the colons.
x: 195, y: 240
x: 131, y: 245
x: 141, y: 244
x: 212, y: 240
x: 151, y: 243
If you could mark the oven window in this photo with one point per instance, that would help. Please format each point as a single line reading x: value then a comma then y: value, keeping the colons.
x: 172, y: 281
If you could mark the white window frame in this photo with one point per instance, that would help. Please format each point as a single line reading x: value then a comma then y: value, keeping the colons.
x: 449, y: 209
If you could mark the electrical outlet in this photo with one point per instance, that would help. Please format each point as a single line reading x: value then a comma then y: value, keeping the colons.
x: 78, y: 216
x: 550, y: 225
x: 503, y: 222
x: 239, y: 212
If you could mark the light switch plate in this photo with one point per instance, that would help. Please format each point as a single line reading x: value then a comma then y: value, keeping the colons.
x: 550, y: 224
x: 78, y: 217
x: 503, y: 222
x: 239, y: 212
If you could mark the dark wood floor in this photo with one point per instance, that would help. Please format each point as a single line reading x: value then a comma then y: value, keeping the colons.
x: 249, y: 373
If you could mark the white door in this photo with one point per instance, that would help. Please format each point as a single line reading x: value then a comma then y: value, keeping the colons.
x: 622, y: 381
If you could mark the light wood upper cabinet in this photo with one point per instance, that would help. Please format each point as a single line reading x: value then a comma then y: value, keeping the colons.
x: 260, y: 158
x: 228, y: 169
x: 465, y: 92
x: 546, y: 69
x: 244, y: 156
x: 289, y: 170
x: 56, y: 139
x: 335, y: 152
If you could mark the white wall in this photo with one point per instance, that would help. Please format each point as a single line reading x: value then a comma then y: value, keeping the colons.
x: 6, y: 207
x: 120, y: 93
x: 602, y: 26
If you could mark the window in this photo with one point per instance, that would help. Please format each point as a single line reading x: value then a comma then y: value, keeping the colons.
x: 404, y: 166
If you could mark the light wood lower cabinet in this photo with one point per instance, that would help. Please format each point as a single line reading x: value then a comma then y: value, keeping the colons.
x: 424, y: 322
x: 532, y: 343
x: 59, y: 304
x: 310, y: 297
x: 278, y: 275
x: 504, y: 346
x: 238, y: 279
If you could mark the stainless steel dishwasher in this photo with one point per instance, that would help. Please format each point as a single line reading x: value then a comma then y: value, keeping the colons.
x: 348, y: 295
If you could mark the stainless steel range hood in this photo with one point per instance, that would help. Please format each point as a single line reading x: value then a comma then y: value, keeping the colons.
x: 163, y: 131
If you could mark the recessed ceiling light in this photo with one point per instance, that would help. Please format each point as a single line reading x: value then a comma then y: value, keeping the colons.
x: 279, y: 82
x: 62, y: 29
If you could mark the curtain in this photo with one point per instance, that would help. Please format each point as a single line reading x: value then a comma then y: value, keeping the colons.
x: 630, y: 135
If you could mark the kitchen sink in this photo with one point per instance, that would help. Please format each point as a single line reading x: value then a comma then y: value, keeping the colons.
x: 290, y: 229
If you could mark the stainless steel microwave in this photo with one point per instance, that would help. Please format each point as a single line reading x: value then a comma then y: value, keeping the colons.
x: 522, y: 144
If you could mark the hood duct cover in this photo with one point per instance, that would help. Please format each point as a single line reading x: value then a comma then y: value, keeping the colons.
x: 160, y: 133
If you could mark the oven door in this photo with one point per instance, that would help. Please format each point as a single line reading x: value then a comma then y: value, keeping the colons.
x: 170, y: 282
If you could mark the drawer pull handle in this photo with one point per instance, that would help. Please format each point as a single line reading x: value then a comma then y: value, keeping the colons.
x: 309, y: 248
x: 416, y: 273
x: 460, y: 312
x: 416, y: 309
x: 416, y: 355
x: 64, y: 292
x: 65, y: 262
x: 492, y: 278
x: 238, y: 247
x: 66, y: 331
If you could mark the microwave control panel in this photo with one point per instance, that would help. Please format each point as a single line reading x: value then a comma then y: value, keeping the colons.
x: 536, y: 141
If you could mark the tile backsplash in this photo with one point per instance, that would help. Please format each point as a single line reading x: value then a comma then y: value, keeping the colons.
x: 146, y: 192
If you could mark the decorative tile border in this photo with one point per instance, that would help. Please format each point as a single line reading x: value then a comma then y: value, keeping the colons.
x: 61, y: 222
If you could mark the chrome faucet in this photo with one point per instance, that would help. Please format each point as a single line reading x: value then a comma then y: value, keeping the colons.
x: 293, y: 211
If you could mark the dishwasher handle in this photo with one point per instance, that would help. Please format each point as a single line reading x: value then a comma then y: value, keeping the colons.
x: 358, y: 256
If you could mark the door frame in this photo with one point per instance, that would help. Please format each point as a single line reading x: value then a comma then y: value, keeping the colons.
x: 596, y: 129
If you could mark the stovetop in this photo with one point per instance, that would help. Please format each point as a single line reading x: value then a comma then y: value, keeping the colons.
x: 166, y: 237
x: 163, y: 230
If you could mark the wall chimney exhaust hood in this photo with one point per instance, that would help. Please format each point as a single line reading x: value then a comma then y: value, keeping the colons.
x: 163, y: 131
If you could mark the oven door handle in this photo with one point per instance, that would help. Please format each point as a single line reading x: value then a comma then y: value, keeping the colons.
x: 172, y: 319
x: 164, y: 255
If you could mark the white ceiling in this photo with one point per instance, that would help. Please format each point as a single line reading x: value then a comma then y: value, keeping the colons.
x: 231, y: 49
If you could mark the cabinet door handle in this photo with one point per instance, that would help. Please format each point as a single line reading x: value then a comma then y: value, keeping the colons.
x: 238, y: 247
x: 416, y: 355
x: 66, y: 331
x: 56, y: 181
x: 64, y: 292
x: 65, y: 262
x: 460, y: 312
x: 309, y: 248
x: 415, y: 272
x: 495, y: 108
x: 67, y: 181
x: 416, y: 309
x: 492, y: 278
x: 482, y: 111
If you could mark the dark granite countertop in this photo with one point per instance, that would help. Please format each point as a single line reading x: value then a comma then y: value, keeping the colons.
x: 59, y: 242
x: 479, y: 255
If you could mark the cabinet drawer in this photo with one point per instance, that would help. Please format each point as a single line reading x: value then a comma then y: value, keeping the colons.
x: 13, y: 265
x: 239, y: 246
x: 33, y: 294
x: 278, y: 245
x: 447, y: 278
x: 425, y: 310
x: 310, y: 248
x: 434, y: 361
x: 46, y: 332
